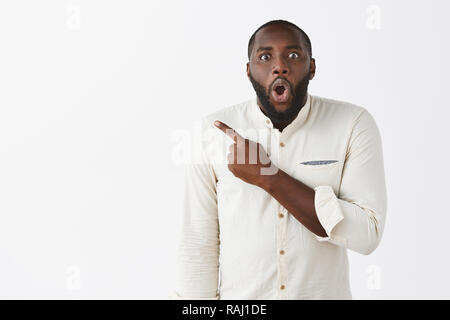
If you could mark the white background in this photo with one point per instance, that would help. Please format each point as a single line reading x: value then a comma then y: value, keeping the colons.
x: 92, y: 91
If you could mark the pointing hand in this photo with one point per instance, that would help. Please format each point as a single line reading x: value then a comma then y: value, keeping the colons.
x: 247, y: 159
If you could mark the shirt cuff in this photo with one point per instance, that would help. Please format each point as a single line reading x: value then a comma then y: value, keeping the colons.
x: 328, y: 211
x: 176, y: 296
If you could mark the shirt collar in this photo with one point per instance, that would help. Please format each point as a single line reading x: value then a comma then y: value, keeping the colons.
x: 262, y: 119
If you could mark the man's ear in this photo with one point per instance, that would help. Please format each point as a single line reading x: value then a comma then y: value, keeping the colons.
x: 312, y: 68
x: 248, y: 70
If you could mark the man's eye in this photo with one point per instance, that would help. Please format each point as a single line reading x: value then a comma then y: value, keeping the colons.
x: 264, y: 55
x: 293, y: 55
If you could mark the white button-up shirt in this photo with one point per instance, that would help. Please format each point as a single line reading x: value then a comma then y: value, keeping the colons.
x: 238, y: 242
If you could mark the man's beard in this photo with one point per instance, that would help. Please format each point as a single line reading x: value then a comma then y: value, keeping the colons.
x: 298, y: 93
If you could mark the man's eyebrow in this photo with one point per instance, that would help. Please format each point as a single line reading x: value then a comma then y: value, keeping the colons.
x: 264, y: 49
x: 293, y: 46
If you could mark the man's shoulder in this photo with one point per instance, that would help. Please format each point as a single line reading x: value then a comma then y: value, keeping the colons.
x: 347, y: 114
x: 233, y: 110
x: 230, y: 114
x: 335, y: 106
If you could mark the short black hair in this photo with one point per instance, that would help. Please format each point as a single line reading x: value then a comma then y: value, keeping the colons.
x: 304, y: 36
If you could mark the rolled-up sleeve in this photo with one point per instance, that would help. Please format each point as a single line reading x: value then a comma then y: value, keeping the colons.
x: 198, y: 246
x: 356, y: 218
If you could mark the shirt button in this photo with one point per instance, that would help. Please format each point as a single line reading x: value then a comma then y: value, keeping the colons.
x: 281, y: 144
x: 281, y: 215
x: 282, y: 287
x: 281, y: 251
x: 267, y: 121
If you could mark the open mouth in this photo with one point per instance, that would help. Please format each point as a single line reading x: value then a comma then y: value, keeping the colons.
x: 281, y: 91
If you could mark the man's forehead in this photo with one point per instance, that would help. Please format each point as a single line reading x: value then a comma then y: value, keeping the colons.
x: 276, y: 34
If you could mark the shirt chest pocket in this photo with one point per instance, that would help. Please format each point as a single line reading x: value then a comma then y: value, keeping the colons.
x: 319, y: 172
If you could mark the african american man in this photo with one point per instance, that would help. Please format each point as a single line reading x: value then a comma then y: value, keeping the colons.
x: 301, y: 182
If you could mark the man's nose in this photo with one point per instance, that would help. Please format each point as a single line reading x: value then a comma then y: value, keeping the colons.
x: 280, y: 66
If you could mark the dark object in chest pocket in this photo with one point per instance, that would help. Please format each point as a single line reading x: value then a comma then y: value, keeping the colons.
x: 318, y: 162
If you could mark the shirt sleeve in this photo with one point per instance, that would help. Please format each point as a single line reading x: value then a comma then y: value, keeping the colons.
x: 198, y: 242
x: 356, y: 218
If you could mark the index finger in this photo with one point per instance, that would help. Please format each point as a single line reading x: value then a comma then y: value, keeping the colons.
x: 227, y: 130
